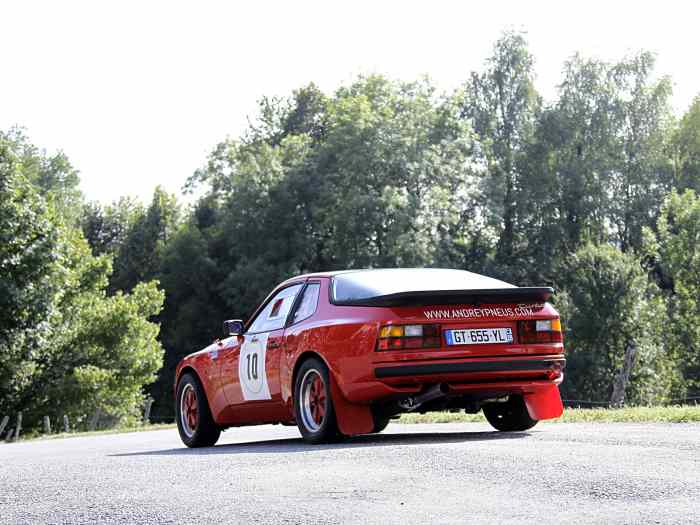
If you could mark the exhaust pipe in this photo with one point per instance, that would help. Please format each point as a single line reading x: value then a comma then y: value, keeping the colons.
x: 434, y: 392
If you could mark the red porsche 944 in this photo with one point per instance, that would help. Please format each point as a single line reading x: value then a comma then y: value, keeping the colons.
x: 341, y: 353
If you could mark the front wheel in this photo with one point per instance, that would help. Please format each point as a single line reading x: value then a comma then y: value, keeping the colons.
x: 313, y: 406
x: 194, y: 421
x: 511, y: 416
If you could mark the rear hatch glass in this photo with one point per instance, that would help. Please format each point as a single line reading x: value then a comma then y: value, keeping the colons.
x: 425, y: 286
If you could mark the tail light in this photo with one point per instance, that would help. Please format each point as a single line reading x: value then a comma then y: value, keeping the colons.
x: 409, y: 336
x: 543, y: 331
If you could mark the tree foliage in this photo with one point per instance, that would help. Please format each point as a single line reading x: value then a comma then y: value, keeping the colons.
x: 584, y: 192
x: 491, y: 179
x: 502, y: 105
x: 686, y: 149
x: 65, y: 346
x: 612, y: 314
x: 676, y: 249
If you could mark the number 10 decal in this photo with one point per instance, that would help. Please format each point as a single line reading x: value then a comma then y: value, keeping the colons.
x: 251, y: 368
x: 252, y: 364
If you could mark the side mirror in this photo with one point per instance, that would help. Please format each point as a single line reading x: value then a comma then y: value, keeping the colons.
x: 233, y: 327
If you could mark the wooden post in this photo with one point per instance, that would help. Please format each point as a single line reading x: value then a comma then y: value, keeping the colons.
x: 3, y: 424
x: 47, y: 425
x: 66, y: 424
x: 19, y: 425
x: 622, y: 379
x: 147, y: 410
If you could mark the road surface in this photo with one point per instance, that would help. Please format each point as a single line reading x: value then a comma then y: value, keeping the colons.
x: 442, y: 473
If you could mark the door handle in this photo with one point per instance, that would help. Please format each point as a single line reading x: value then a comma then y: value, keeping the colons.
x: 273, y: 344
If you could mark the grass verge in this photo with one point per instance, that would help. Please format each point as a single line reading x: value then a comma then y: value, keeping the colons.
x: 669, y: 414
x: 34, y: 435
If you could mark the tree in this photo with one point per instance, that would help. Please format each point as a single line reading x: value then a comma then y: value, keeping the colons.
x: 607, y: 147
x: 301, y: 114
x: 65, y: 347
x: 676, y: 254
x: 194, y: 308
x: 104, y: 349
x: 502, y: 105
x: 643, y: 175
x: 53, y: 176
x: 392, y: 173
x: 614, y: 320
x: 139, y: 255
x: 106, y: 228
x: 28, y: 243
x: 686, y: 149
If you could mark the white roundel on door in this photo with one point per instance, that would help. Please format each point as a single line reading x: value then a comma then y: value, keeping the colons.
x: 251, y: 368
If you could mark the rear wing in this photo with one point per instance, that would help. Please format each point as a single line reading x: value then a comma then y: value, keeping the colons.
x: 434, y: 297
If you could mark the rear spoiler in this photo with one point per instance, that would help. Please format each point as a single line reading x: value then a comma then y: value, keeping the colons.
x: 433, y: 297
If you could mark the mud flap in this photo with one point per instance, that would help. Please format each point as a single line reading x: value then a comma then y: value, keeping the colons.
x: 352, y: 418
x: 545, y: 403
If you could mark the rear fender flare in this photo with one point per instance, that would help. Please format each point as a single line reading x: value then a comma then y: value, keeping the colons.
x: 352, y: 418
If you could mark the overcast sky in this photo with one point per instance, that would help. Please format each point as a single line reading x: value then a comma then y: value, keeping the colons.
x: 137, y: 93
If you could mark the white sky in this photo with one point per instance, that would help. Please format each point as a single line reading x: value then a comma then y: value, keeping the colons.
x: 137, y: 93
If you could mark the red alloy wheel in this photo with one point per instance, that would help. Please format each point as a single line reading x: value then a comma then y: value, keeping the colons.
x: 318, y: 399
x: 314, y: 400
x: 189, y: 410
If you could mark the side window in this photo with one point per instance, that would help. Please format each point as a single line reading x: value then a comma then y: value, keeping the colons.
x: 275, y: 312
x: 308, y: 303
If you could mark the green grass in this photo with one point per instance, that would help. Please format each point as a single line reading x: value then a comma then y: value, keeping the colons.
x: 669, y: 414
x: 35, y: 435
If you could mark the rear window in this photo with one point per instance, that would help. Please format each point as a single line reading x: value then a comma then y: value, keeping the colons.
x: 366, y: 284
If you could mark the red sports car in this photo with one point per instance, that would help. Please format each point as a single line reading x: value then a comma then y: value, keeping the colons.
x: 341, y: 353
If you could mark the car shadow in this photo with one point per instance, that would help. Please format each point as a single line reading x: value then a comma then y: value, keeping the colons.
x: 293, y: 445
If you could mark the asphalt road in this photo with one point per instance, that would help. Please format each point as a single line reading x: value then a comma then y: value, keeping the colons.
x: 444, y: 473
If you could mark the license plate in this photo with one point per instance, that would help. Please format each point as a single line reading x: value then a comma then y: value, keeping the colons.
x: 479, y: 336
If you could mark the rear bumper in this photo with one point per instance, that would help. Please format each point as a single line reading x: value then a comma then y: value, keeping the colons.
x: 553, y: 364
x: 477, y: 376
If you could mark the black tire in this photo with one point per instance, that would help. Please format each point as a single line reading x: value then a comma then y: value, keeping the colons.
x: 200, y: 430
x: 511, y: 416
x: 313, y: 405
x: 380, y: 423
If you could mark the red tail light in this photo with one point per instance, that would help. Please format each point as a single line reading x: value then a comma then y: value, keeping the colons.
x: 543, y: 331
x: 400, y: 337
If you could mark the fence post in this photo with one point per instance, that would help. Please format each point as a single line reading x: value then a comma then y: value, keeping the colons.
x: 147, y: 410
x: 47, y: 425
x: 66, y: 424
x: 19, y: 425
x: 3, y: 424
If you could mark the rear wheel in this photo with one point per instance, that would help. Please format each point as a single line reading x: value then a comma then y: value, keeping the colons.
x: 380, y: 423
x: 380, y: 420
x: 194, y: 421
x: 511, y: 416
x: 313, y: 406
